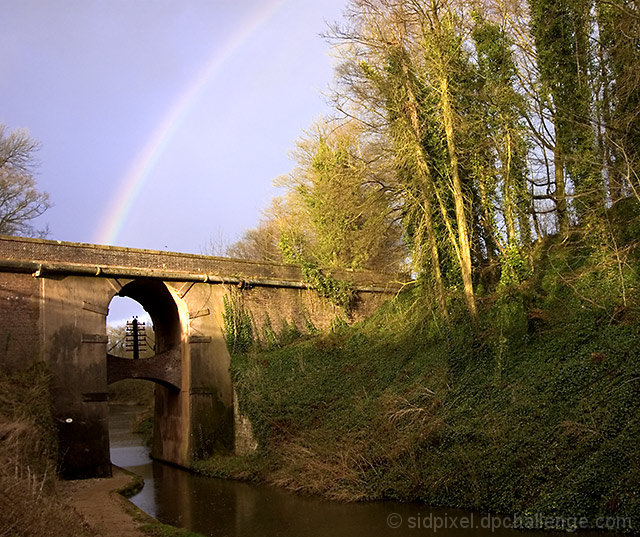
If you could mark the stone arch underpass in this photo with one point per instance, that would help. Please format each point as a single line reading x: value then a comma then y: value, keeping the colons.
x: 164, y: 367
x: 54, y: 300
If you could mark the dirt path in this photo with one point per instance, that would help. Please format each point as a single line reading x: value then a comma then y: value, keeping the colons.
x: 108, y: 513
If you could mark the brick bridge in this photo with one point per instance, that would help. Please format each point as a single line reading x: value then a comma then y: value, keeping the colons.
x: 54, y: 300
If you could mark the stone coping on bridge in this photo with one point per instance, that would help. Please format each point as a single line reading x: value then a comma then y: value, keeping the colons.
x: 21, y: 254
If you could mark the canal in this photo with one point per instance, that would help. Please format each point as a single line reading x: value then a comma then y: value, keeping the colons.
x: 222, y: 508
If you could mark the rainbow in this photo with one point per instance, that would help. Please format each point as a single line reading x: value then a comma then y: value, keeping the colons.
x: 145, y: 161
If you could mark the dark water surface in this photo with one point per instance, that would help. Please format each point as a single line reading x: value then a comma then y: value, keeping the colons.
x: 221, y: 508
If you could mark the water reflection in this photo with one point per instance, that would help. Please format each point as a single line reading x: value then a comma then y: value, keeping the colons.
x: 223, y: 508
x: 218, y: 508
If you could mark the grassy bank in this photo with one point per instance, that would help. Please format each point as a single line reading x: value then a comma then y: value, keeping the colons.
x: 532, y: 411
x: 29, y: 501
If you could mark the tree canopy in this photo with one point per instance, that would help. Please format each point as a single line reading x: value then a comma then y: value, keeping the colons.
x: 468, y: 130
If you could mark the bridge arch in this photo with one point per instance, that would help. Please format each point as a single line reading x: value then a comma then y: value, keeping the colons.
x: 165, y: 367
x: 162, y: 306
x: 169, y: 315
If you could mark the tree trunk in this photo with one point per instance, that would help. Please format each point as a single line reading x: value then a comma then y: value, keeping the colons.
x: 433, y: 249
x: 426, y: 184
x: 509, y: 213
x: 458, y: 198
x: 560, y: 193
x: 487, y: 221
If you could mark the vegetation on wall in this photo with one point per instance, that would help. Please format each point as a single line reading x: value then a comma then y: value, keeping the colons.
x: 238, y: 326
x: 243, y: 335
x: 338, y: 292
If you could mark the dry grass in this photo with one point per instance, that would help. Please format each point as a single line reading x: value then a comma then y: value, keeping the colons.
x: 341, y: 469
x: 336, y: 474
x: 30, y: 507
x: 29, y: 503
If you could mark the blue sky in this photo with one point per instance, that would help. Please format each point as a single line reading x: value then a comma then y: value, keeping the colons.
x: 93, y: 80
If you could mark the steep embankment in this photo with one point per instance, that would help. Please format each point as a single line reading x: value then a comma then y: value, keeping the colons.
x: 534, y: 410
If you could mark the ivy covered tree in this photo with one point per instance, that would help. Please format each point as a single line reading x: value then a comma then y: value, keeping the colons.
x: 562, y: 30
x: 471, y: 129
x: 618, y: 92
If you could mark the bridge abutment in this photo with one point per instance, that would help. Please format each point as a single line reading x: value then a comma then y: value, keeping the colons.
x: 73, y: 315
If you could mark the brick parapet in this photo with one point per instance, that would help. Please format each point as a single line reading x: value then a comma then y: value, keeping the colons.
x: 96, y: 256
